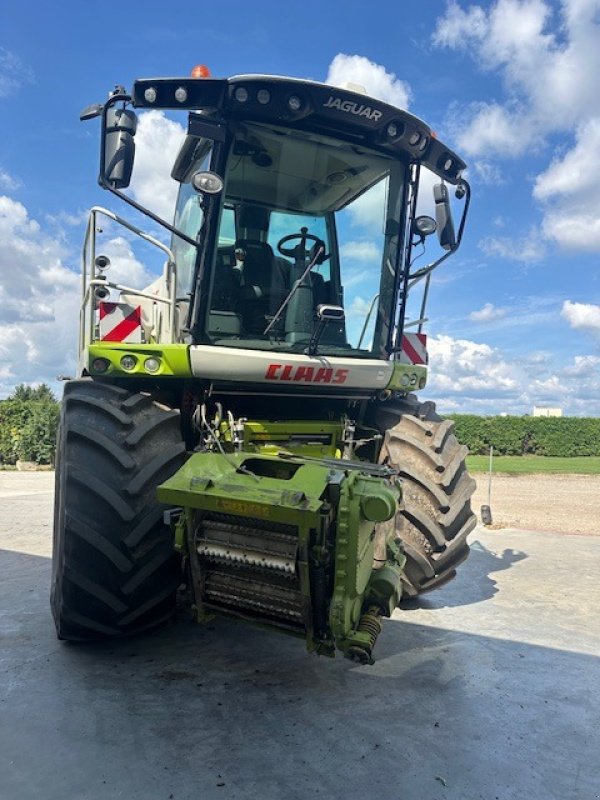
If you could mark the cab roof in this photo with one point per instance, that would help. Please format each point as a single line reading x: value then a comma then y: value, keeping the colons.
x: 339, y: 113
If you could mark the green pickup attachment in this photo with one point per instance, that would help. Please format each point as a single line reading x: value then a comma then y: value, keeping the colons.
x: 290, y: 542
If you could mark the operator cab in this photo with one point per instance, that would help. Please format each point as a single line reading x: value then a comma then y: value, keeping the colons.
x: 301, y: 214
x: 296, y: 218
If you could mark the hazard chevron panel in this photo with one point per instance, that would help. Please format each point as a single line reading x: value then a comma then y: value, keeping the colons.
x: 414, y: 349
x: 120, y: 322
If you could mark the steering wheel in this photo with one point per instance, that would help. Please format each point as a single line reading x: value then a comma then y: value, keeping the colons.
x: 300, y: 251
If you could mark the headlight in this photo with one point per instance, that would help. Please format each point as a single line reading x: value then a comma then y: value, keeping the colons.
x: 181, y: 94
x: 207, y: 182
x: 128, y: 362
x: 152, y: 364
x: 100, y: 365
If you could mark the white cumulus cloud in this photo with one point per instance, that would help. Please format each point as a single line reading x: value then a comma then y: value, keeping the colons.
x: 527, y: 249
x: 8, y: 182
x: 577, y: 171
x: 492, y: 130
x: 539, y: 55
x: 361, y: 251
x: 583, y: 365
x: 125, y: 267
x: 157, y: 141
x: 39, y: 301
x: 582, y: 316
x: 467, y: 376
x: 548, y: 59
x: 368, y: 210
x: 374, y: 77
x: 461, y: 366
x: 489, y: 313
x: 568, y: 190
x: 488, y: 173
x: 40, y: 296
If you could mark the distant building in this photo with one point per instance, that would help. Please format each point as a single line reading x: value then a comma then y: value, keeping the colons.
x: 546, y: 411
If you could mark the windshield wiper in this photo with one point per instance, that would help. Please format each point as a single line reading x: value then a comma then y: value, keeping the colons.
x: 294, y: 289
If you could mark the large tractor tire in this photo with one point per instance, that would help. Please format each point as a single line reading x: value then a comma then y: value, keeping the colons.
x: 435, y: 516
x: 114, y: 570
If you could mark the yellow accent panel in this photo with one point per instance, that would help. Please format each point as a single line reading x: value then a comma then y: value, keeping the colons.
x: 174, y: 359
x: 407, y: 378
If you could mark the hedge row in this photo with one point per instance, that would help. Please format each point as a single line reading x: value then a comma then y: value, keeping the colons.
x: 517, y: 436
x: 28, y: 430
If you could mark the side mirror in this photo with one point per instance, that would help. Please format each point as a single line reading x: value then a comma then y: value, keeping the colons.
x: 443, y: 215
x: 119, y: 147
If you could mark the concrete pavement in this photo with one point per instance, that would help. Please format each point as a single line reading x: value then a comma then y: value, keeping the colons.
x: 484, y: 690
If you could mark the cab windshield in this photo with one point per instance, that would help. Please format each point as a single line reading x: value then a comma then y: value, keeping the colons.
x: 303, y: 226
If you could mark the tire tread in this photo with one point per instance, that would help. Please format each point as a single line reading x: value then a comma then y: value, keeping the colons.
x: 436, y: 517
x: 115, y: 572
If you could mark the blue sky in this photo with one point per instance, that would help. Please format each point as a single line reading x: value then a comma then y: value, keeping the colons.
x: 512, y: 85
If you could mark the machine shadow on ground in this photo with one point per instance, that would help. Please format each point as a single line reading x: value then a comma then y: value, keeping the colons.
x: 477, y: 586
x: 230, y: 710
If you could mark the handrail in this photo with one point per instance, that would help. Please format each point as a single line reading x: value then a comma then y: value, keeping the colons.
x: 367, y: 320
x: 90, y: 278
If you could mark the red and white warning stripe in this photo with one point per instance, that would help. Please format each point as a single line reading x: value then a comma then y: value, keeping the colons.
x: 414, y: 349
x: 120, y: 322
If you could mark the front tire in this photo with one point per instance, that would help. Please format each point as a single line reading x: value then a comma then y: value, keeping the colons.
x: 435, y: 517
x: 114, y: 570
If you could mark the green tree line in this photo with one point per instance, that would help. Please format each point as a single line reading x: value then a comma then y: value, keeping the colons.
x: 29, y: 421
x: 520, y: 436
x: 28, y: 424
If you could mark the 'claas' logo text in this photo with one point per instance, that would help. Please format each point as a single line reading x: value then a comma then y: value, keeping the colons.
x: 286, y: 372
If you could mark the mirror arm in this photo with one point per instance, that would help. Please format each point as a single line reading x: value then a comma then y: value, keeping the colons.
x: 324, y: 320
x: 467, y: 190
x: 313, y: 345
x: 122, y: 97
x: 421, y: 273
x: 147, y: 212
x: 414, y: 277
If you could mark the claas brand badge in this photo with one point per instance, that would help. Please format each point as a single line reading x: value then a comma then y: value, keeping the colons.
x: 287, y: 372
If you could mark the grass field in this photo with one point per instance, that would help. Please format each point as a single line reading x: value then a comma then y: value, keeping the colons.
x: 520, y: 465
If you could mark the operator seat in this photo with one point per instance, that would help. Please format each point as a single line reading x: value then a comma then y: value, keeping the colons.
x: 263, y: 285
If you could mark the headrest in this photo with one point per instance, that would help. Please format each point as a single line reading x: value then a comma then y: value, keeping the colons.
x: 253, y: 217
